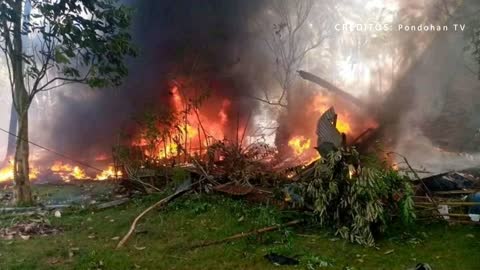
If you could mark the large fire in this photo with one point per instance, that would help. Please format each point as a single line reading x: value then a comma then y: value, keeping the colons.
x: 194, y: 132
x: 6, y: 173
x: 301, y: 141
x: 65, y: 171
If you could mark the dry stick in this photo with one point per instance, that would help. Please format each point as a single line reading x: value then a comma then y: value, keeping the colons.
x: 199, y: 140
x: 161, y: 202
x: 204, y: 172
x: 245, y: 128
x: 245, y: 234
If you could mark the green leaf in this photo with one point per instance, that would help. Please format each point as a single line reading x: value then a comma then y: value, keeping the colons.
x: 60, y: 57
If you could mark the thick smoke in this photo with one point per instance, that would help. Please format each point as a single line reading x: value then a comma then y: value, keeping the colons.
x: 438, y: 127
x: 209, y: 42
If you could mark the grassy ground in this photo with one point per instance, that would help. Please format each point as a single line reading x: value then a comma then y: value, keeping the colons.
x: 89, y: 239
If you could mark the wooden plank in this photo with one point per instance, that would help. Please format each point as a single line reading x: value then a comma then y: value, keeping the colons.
x: 450, y: 203
x: 453, y: 192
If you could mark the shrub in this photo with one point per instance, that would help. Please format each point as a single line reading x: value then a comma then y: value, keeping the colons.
x: 358, y: 202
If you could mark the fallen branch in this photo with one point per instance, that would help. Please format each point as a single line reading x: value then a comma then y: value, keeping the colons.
x: 111, y: 203
x: 162, y: 202
x: 245, y: 234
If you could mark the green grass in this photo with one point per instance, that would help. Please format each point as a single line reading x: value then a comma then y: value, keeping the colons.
x: 168, y: 235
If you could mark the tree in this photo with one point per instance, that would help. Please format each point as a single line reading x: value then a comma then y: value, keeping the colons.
x: 290, y: 42
x: 71, y: 41
x: 299, y: 27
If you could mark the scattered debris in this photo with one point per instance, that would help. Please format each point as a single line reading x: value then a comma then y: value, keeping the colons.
x: 451, y: 181
x: 423, y: 266
x: 27, y: 229
x: 280, y: 259
x: 6, y: 210
x: 390, y: 251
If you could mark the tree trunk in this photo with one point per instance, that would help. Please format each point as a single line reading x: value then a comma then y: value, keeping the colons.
x: 23, y: 193
x: 11, y: 139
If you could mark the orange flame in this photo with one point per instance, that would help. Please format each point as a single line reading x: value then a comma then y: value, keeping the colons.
x: 109, y: 173
x: 68, y: 172
x: 6, y: 173
x: 188, y: 135
x: 343, y: 127
x: 78, y: 173
x: 299, y: 144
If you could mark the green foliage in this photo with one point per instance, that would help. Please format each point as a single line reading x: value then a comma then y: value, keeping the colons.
x: 356, y: 201
x: 83, y: 41
x: 156, y: 127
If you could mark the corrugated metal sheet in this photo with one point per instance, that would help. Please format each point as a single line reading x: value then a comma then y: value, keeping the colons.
x: 326, y: 129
